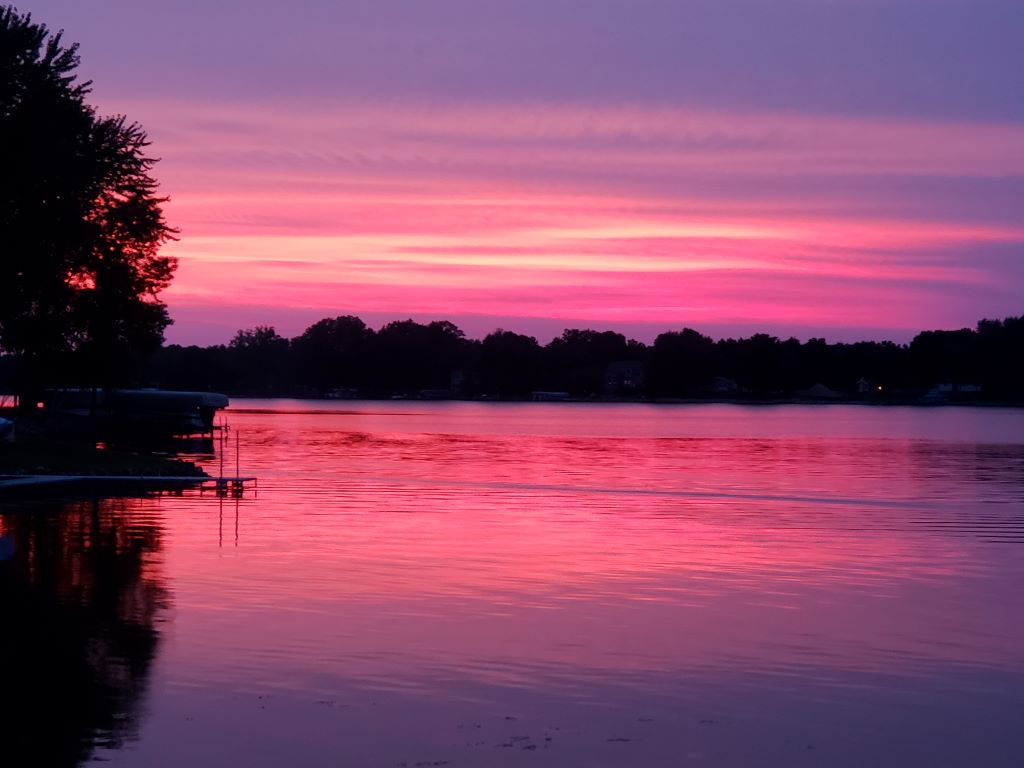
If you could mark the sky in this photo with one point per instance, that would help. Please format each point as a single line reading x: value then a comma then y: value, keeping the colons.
x: 847, y: 169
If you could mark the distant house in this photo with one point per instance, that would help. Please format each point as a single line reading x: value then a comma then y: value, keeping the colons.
x: 434, y: 394
x: 544, y: 397
x: 947, y: 389
x: 722, y: 385
x: 624, y: 378
x: 869, y: 387
x: 342, y: 393
x: 463, y: 382
x: 819, y: 392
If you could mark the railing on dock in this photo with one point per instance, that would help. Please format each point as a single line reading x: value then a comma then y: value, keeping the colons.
x: 222, y: 484
x: 225, y: 485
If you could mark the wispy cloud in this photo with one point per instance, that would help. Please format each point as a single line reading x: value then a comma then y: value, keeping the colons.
x: 559, y: 211
x: 809, y: 166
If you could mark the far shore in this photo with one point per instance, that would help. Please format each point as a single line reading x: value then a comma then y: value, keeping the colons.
x: 765, y: 401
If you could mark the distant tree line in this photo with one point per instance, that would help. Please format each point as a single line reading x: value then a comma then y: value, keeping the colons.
x: 343, y: 357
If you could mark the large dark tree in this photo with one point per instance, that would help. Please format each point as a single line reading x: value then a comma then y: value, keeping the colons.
x: 681, y: 363
x: 512, y: 365
x: 579, y: 359
x: 411, y: 356
x: 81, y: 222
x: 332, y: 353
x: 260, y: 361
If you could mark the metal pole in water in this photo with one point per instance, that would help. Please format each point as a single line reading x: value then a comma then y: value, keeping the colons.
x: 222, y: 429
x: 238, y: 471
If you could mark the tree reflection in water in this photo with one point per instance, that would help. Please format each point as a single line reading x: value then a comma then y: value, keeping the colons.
x: 81, y: 595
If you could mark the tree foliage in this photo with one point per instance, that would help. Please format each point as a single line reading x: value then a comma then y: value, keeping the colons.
x: 331, y: 353
x: 408, y: 358
x: 81, y: 222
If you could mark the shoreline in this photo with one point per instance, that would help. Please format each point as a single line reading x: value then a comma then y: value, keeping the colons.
x: 37, y: 462
x: 104, y: 485
x: 874, y: 403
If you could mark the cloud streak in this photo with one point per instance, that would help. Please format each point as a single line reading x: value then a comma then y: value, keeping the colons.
x: 597, y: 214
x: 820, y: 168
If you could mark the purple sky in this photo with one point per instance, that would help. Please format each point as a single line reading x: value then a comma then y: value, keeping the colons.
x: 846, y: 168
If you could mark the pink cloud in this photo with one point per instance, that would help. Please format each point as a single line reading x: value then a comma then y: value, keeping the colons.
x: 629, y: 214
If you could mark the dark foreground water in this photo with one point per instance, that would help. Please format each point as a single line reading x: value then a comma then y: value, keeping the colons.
x: 537, y: 585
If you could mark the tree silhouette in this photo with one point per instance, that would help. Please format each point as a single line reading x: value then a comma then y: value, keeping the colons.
x: 680, y: 362
x: 512, y: 364
x: 412, y: 356
x: 405, y: 358
x: 81, y: 223
x: 331, y: 353
x: 260, y: 360
x: 579, y: 359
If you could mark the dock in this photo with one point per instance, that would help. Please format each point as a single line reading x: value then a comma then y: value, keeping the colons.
x: 223, y: 485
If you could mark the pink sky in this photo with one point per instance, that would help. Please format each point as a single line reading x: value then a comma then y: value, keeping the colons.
x: 533, y: 188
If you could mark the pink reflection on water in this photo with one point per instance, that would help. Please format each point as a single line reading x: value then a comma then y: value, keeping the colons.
x: 590, y: 585
x: 399, y: 544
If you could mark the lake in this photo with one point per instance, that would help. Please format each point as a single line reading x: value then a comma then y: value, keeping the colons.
x: 478, y: 584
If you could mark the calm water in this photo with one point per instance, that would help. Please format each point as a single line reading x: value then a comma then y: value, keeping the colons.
x: 537, y: 585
